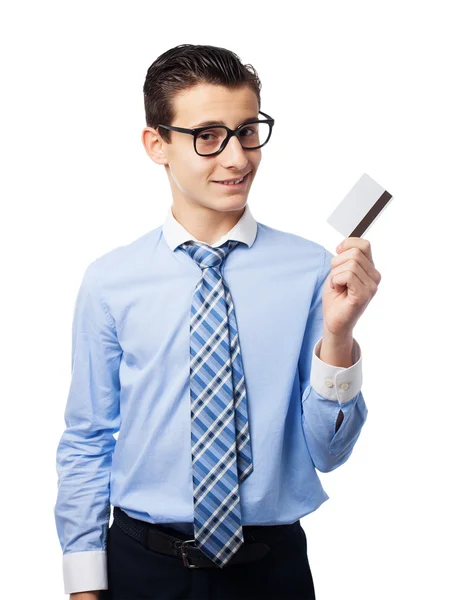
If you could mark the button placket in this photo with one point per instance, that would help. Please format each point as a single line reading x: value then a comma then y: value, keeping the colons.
x: 342, y: 387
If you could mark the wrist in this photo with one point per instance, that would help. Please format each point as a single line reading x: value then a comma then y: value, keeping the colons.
x: 337, y: 350
x: 342, y: 338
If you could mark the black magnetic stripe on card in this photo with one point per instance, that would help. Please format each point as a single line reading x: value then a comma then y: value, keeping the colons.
x: 371, y: 215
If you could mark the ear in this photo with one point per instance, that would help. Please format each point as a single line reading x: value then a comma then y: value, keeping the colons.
x: 154, y: 145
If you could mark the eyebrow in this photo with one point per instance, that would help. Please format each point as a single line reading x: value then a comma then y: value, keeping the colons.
x: 218, y: 122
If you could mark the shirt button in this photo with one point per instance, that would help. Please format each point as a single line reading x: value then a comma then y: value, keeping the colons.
x: 344, y: 386
x: 329, y: 383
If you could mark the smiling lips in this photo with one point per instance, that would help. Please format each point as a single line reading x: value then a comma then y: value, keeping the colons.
x: 229, y: 181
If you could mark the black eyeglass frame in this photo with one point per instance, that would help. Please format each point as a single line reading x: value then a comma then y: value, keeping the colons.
x: 230, y: 132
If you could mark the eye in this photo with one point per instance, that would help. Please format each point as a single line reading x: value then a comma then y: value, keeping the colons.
x: 250, y: 131
x: 203, y: 136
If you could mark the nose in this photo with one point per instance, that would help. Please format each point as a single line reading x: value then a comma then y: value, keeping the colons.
x: 233, y: 153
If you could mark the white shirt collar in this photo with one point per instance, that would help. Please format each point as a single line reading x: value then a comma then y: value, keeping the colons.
x: 244, y: 230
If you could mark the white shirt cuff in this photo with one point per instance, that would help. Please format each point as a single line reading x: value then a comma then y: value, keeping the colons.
x: 84, y: 571
x: 336, y: 383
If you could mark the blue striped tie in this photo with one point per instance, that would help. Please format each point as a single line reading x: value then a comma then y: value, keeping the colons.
x: 219, y: 420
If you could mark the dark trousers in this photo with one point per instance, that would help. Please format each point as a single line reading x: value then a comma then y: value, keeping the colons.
x: 138, y: 573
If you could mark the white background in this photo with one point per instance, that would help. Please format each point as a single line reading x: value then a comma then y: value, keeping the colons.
x: 354, y: 87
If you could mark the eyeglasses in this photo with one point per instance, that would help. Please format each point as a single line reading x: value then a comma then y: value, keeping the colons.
x: 212, y: 139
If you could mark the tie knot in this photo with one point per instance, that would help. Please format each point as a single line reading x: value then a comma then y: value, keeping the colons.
x: 207, y: 256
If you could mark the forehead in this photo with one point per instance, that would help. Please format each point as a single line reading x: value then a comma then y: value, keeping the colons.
x: 208, y: 102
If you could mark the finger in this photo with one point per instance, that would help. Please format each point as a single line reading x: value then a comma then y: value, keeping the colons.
x: 352, y: 281
x: 355, y: 242
x: 353, y: 266
x: 357, y: 255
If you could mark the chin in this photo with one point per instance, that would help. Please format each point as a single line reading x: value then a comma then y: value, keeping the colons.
x: 228, y: 204
x: 234, y: 202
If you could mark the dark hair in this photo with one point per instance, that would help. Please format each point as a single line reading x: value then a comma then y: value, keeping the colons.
x: 184, y: 66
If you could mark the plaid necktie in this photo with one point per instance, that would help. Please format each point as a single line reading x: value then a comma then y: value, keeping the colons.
x: 219, y: 421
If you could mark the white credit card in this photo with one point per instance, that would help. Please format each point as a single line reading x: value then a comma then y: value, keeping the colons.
x: 360, y: 207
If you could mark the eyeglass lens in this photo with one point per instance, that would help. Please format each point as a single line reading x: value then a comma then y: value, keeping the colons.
x: 251, y: 136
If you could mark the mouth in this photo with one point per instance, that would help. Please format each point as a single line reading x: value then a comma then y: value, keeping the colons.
x: 235, y: 186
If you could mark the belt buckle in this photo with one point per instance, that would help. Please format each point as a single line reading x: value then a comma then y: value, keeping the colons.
x: 185, y: 558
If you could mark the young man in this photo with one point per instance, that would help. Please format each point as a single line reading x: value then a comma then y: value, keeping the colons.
x: 222, y: 352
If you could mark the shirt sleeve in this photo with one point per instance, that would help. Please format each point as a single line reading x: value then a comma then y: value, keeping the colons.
x: 328, y: 389
x: 84, y: 452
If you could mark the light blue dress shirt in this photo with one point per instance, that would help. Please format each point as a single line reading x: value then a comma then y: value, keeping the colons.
x: 131, y: 372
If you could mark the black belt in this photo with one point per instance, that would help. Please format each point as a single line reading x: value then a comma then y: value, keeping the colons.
x: 153, y: 537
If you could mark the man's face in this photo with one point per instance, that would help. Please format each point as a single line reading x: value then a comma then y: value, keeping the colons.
x: 192, y: 176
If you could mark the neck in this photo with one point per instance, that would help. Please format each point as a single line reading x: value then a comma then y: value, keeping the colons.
x: 204, y: 223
